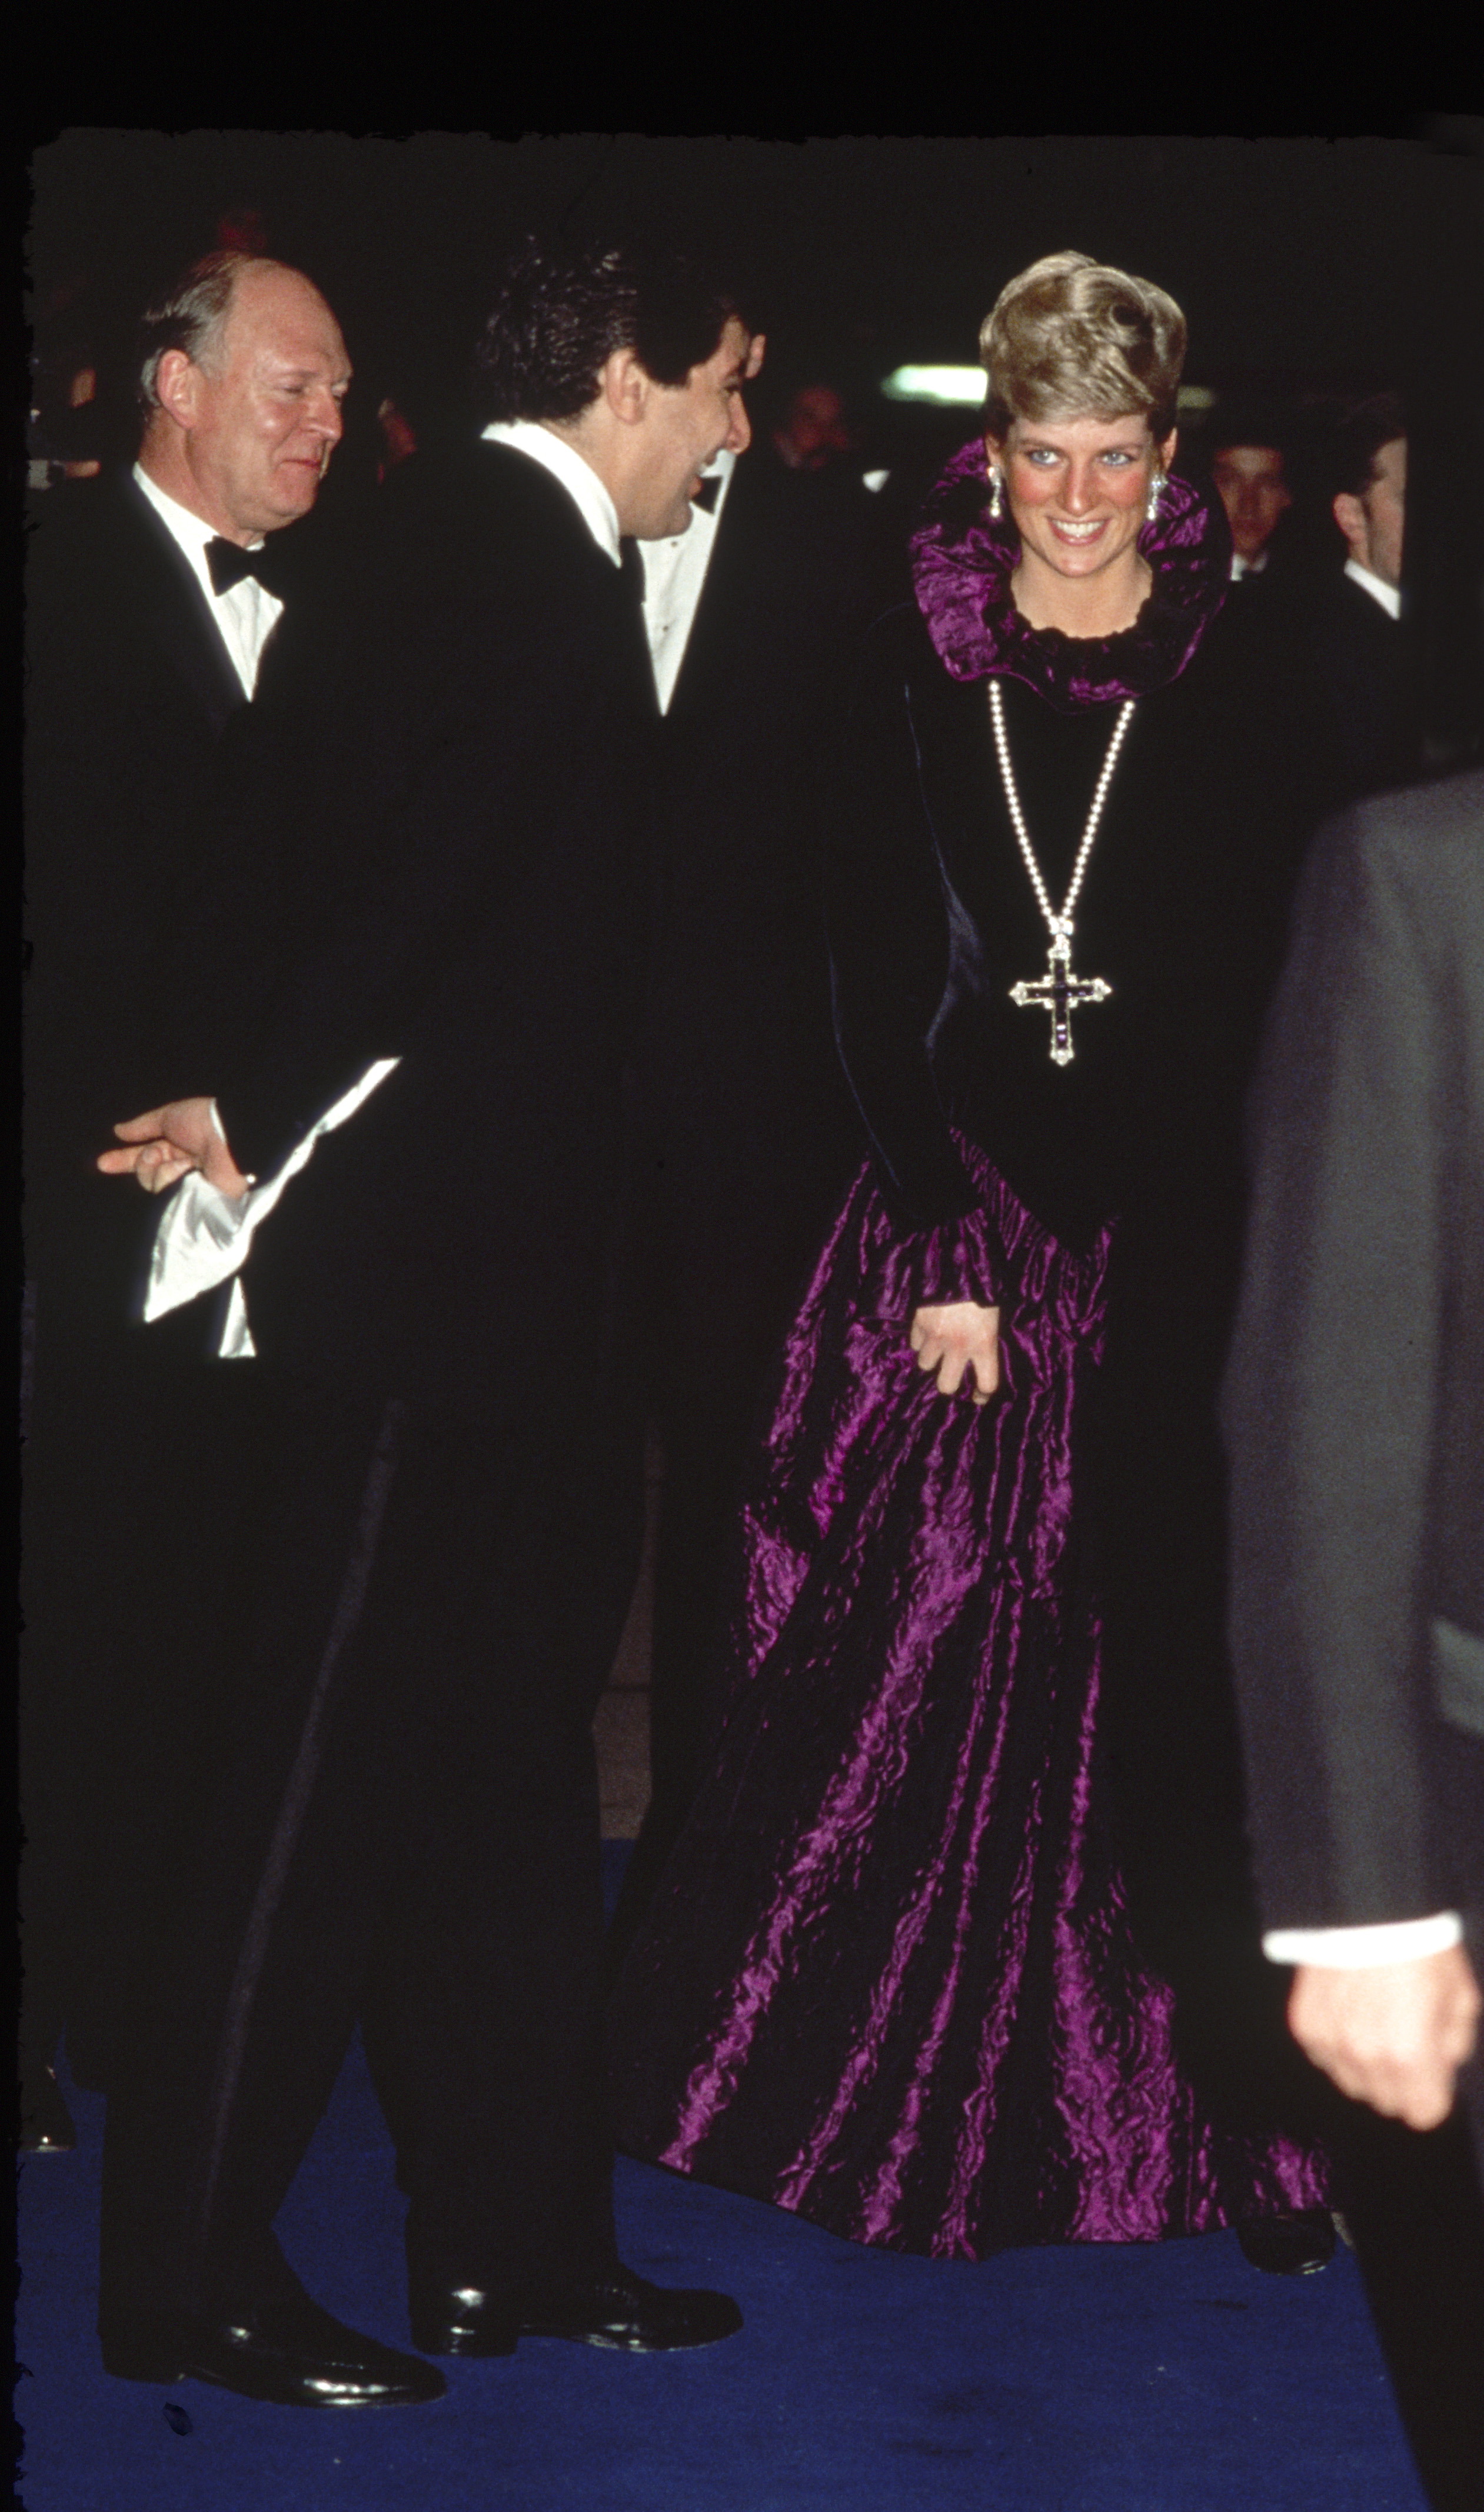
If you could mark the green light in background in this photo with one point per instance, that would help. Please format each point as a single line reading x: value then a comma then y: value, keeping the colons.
x: 950, y: 387
x: 963, y: 388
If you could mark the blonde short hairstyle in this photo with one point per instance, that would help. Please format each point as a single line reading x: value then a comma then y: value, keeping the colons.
x: 1073, y: 338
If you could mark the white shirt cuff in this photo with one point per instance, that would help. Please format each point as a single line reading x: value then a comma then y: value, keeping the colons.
x: 1393, y: 1940
x: 203, y: 1236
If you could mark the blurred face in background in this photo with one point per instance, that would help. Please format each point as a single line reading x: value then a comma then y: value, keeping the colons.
x: 815, y: 431
x: 1249, y: 481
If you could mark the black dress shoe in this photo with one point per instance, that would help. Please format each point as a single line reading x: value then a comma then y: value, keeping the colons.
x: 286, y: 2351
x: 464, y: 2320
x: 624, y: 2311
x: 1296, y: 2244
x: 45, y: 2123
x: 615, y: 2309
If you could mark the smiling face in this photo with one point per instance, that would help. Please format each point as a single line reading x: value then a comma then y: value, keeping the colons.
x: 686, y: 426
x: 258, y: 420
x: 1078, y: 490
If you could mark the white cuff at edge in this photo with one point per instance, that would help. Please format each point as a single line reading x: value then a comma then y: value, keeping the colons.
x: 1363, y: 1948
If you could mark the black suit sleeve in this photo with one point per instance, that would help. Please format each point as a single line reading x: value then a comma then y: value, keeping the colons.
x: 422, y: 727
x: 1347, y: 1343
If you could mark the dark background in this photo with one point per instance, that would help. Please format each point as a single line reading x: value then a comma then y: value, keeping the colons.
x: 1331, y: 260
x: 1308, y: 268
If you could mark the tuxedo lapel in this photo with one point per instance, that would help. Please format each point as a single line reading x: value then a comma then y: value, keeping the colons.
x: 173, y: 611
x: 721, y: 589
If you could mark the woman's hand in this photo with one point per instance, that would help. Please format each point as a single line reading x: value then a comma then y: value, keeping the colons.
x: 961, y: 1337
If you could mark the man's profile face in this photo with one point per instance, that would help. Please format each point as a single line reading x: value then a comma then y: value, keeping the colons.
x: 1249, y: 481
x: 264, y: 410
x: 688, y: 426
x: 1385, y: 507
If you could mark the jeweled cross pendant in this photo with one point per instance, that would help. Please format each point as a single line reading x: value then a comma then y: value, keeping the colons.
x: 1058, y: 989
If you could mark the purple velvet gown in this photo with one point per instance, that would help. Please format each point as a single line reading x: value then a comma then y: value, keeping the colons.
x: 890, y: 1979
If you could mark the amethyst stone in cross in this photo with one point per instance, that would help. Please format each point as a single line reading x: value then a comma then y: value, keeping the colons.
x: 1058, y: 989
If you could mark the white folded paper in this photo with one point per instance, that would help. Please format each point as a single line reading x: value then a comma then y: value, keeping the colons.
x: 204, y: 1237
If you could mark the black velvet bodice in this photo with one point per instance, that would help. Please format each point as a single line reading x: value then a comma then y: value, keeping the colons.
x: 933, y: 920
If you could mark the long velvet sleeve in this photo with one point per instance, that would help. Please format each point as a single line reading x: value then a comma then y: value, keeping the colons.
x: 887, y: 923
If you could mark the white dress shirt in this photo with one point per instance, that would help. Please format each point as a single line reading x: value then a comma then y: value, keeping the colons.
x: 675, y: 571
x: 248, y: 615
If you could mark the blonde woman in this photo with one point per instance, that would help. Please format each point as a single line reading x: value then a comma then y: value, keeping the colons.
x: 973, y: 1810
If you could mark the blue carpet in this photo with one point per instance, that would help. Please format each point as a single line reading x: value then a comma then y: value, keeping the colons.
x: 1169, y: 2378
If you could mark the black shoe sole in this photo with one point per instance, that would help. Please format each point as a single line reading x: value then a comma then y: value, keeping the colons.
x: 140, y: 2364
x: 129, y: 2364
x: 632, y: 2345
x: 430, y: 2338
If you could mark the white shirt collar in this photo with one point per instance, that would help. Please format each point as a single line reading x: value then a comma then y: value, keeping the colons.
x: 1388, y: 595
x: 247, y: 613
x: 720, y: 467
x: 191, y: 530
x: 577, y: 475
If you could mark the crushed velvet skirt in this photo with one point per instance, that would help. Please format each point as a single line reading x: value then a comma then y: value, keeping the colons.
x: 890, y: 1979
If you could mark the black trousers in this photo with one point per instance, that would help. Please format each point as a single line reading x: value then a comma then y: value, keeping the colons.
x: 1416, y: 2205
x: 383, y: 1809
x: 729, y: 1299
x: 105, y: 1465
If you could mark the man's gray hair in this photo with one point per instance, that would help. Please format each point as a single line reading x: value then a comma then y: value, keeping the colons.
x: 192, y: 316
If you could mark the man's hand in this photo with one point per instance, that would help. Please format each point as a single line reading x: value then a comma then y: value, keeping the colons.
x: 1394, y: 2035
x: 165, y: 1143
x: 958, y: 1338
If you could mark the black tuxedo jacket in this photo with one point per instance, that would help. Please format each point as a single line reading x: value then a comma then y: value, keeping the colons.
x: 441, y: 855
x: 132, y: 709
x: 1351, y: 668
x: 755, y: 1134
x: 1355, y: 1393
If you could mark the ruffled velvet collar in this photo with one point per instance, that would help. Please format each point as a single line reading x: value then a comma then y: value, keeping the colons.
x: 962, y: 560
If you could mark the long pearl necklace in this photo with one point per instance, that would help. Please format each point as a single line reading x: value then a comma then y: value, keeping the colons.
x: 1058, y: 989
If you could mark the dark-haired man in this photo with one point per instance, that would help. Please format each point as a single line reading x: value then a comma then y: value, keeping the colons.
x: 1249, y: 476
x: 148, y: 615
x: 398, y: 1813
x: 1352, y: 645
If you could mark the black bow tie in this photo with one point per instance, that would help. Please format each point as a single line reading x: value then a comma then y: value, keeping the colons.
x: 227, y: 565
x: 708, y: 491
